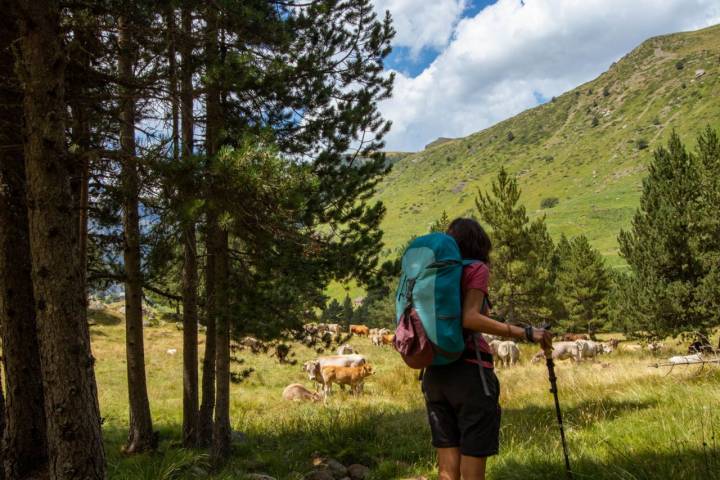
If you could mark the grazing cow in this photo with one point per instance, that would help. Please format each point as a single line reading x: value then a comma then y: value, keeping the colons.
x: 299, y: 393
x: 313, y: 368
x: 571, y: 337
x: 346, y: 350
x: 590, y: 349
x: 334, y: 328
x: 388, y: 339
x: 353, y: 376
x: 655, y: 347
x: 384, y: 331
x: 562, y: 351
x: 374, y: 331
x: 377, y: 340
x: 607, y: 347
x: 360, y: 330
x: 506, y: 351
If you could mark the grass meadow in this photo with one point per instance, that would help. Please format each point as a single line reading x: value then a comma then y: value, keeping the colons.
x: 625, y: 421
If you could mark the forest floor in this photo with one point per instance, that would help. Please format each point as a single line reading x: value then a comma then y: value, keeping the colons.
x: 624, y: 421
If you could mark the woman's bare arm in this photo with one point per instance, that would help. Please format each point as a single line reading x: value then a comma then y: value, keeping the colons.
x: 476, y: 321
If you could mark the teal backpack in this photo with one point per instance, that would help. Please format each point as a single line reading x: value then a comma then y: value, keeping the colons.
x: 428, y: 302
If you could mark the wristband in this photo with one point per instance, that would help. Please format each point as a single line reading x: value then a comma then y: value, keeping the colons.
x: 529, y: 334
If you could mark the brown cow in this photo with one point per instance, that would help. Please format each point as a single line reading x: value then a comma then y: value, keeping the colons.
x: 360, y: 330
x: 353, y: 376
x: 388, y: 339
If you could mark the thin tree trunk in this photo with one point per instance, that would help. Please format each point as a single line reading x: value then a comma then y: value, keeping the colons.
x: 221, y: 426
x: 2, y: 430
x: 211, y: 147
x: 24, y: 447
x: 190, y: 338
x: 172, y: 74
x: 140, y: 434
x: 205, y: 417
x: 189, y: 238
x: 73, y: 431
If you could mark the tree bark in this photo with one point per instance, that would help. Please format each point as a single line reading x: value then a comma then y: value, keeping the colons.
x: 140, y: 435
x: 190, y: 281
x: 74, y: 438
x: 205, y: 416
x: 211, y: 147
x: 221, y: 426
x: 24, y: 448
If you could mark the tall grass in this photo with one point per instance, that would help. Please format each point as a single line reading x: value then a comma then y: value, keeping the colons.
x: 625, y: 421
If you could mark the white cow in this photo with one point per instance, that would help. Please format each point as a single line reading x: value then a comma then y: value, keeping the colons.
x: 562, y: 351
x: 506, y: 351
x: 686, y: 359
x: 298, y: 392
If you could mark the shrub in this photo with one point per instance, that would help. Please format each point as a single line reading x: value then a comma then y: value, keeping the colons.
x: 641, y: 143
x: 510, y: 136
x: 595, y: 122
x: 606, y: 92
x: 679, y: 64
x: 549, y: 202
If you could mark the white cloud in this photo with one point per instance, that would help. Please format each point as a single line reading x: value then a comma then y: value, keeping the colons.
x: 497, y: 61
x: 422, y: 23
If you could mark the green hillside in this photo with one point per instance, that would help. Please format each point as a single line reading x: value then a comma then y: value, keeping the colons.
x: 588, y: 147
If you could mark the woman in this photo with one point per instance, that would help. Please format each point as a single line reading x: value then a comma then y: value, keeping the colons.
x: 462, y: 398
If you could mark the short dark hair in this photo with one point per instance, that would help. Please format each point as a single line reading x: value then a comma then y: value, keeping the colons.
x: 474, y: 243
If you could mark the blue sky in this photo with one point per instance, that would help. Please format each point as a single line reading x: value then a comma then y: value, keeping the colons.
x: 402, y: 59
x: 464, y: 65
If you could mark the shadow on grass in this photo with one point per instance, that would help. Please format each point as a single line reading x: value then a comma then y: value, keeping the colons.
x: 396, y: 444
x: 104, y: 317
x: 681, y: 464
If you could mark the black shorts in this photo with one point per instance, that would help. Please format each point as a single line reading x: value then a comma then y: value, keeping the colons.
x: 459, y: 412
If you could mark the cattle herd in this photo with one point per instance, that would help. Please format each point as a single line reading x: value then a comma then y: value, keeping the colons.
x: 348, y: 367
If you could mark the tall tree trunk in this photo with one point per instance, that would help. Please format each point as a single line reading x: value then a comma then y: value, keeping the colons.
x: 207, y: 408
x: 190, y: 338
x: 24, y: 445
x: 2, y: 429
x: 190, y: 282
x: 172, y: 79
x: 140, y: 434
x: 221, y: 426
x: 211, y: 147
x: 74, y: 438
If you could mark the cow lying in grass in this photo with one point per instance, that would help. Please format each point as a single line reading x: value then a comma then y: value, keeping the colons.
x: 353, y: 376
x: 298, y: 392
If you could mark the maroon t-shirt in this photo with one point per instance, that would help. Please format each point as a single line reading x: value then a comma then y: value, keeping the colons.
x: 475, y: 277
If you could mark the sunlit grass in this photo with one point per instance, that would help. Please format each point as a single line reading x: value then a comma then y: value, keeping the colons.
x: 625, y: 421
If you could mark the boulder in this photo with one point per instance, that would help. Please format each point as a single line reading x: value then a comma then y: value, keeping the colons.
x: 320, y: 475
x: 336, y: 468
x: 358, y: 472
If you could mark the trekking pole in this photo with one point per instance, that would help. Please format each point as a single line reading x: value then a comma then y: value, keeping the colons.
x: 554, y: 390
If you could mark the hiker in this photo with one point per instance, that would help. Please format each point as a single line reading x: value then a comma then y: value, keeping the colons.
x: 462, y: 396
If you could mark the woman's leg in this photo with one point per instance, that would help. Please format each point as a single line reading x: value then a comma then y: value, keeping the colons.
x: 449, y: 463
x: 472, y: 468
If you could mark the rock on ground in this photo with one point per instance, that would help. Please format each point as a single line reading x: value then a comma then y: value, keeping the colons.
x: 358, y: 472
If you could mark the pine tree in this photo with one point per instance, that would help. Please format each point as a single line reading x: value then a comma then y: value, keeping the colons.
x: 73, y: 419
x: 583, y: 285
x: 658, y: 247
x: 332, y: 313
x: 522, y: 256
x: 441, y: 224
x: 347, y: 311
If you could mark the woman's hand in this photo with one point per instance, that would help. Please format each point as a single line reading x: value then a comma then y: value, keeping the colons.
x: 543, y: 337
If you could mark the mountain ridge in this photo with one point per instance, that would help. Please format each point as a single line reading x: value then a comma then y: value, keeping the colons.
x: 588, y: 147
